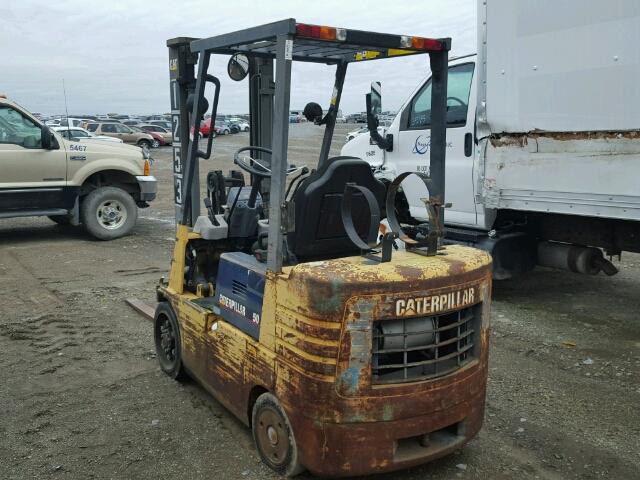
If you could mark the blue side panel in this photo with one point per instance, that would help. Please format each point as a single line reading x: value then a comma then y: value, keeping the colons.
x: 240, y: 291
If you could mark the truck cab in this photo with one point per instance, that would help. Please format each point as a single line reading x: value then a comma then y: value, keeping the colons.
x: 100, y: 185
x: 412, y: 140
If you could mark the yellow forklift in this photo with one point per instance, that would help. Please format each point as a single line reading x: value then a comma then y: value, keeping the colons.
x: 344, y: 354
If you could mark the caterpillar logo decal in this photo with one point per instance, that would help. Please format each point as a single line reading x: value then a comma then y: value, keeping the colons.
x: 233, y: 305
x: 405, y: 307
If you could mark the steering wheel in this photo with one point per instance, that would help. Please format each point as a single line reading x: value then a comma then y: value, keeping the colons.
x: 456, y: 99
x: 255, y: 167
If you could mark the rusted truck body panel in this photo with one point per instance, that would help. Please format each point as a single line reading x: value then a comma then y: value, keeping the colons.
x: 592, y: 174
x: 316, y: 352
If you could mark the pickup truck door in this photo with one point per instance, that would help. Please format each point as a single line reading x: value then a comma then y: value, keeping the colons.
x: 412, y: 147
x: 32, y: 178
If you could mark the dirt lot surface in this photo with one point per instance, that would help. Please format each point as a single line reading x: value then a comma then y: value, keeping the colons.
x: 82, y: 396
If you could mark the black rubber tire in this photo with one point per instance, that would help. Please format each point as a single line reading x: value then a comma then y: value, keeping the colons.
x: 155, y: 143
x: 60, y: 219
x: 144, y: 144
x: 91, y: 203
x: 289, y: 466
x: 171, y: 366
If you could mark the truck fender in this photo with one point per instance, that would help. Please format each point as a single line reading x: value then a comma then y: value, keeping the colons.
x: 115, y: 164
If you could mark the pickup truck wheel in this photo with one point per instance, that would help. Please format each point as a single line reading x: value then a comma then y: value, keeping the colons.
x: 60, y: 219
x: 273, y: 436
x: 144, y: 144
x: 108, y: 213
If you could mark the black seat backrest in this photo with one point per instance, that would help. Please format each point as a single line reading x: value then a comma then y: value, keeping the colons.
x: 319, y: 231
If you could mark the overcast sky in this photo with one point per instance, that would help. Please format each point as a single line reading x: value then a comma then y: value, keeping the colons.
x: 113, y: 56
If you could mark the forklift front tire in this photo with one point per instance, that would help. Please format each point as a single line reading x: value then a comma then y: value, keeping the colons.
x: 166, y: 334
x: 273, y: 436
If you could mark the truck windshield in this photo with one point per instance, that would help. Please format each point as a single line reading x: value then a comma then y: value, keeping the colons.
x: 458, y: 89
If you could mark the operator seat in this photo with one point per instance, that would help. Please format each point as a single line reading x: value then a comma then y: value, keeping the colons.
x: 319, y: 232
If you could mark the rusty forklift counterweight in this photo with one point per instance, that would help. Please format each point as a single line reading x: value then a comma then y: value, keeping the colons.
x: 308, y: 328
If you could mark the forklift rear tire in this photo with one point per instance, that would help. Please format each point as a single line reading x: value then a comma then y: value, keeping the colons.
x: 166, y: 333
x: 273, y: 436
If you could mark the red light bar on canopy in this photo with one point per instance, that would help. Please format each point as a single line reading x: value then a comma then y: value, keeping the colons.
x: 320, y: 32
x: 420, y: 43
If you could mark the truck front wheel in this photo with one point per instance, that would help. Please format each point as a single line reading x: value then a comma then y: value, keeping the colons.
x: 108, y: 213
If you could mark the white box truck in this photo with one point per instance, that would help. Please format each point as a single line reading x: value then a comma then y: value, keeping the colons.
x: 543, y: 137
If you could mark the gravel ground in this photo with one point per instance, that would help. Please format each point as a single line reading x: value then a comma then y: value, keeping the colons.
x: 82, y: 395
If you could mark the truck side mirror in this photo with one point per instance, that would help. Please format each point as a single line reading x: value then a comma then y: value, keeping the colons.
x: 47, y: 140
x: 374, y: 104
x: 374, y: 109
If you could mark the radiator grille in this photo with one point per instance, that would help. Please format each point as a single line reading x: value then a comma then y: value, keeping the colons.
x: 413, y: 349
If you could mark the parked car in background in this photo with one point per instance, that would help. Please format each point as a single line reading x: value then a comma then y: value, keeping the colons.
x: 205, y: 127
x: 70, y: 122
x: 123, y: 132
x: 355, y: 133
x: 223, y: 128
x: 162, y: 123
x: 233, y: 127
x: 166, y: 135
x: 294, y: 118
x: 158, y: 139
x: 242, y: 124
x: 131, y: 123
x: 219, y: 128
x: 78, y: 134
x: 357, y: 118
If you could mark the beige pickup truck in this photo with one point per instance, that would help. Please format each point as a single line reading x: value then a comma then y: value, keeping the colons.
x: 100, y: 185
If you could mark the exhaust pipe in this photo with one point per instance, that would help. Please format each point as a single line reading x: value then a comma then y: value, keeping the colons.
x: 575, y: 258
